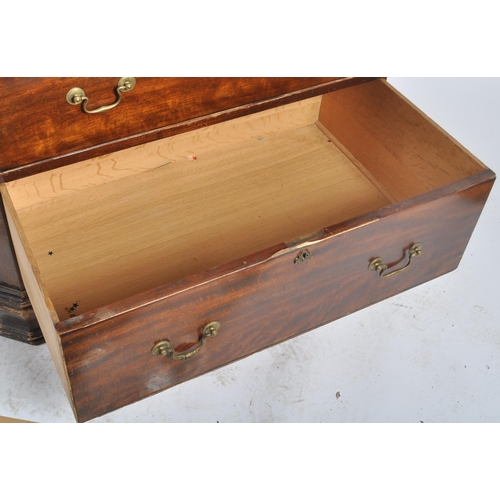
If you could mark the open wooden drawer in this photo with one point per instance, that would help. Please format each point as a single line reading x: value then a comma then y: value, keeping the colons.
x: 155, y: 264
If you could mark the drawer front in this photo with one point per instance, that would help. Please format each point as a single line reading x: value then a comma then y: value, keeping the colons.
x: 110, y: 363
x: 38, y: 124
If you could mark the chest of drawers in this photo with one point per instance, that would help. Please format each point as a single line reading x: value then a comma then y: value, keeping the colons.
x: 197, y: 221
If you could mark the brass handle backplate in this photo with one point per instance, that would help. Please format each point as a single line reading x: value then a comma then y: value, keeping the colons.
x: 379, y: 266
x: 163, y: 348
x: 77, y: 96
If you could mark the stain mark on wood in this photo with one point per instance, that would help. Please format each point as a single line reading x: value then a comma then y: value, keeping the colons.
x: 71, y: 310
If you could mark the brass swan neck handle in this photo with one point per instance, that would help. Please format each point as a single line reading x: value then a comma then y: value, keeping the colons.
x: 77, y: 96
x: 163, y: 348
x: 379, y: 266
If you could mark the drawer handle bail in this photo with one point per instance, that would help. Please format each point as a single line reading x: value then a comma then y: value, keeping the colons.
x: 163, y: 348
x: 77, y: 96
x: 379, y: 266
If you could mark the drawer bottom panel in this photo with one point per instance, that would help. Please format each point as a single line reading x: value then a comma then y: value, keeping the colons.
x: 110, y: 363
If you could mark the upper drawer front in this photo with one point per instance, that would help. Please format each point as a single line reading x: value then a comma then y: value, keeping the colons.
x: 110, y: 363
x: 37, y: 123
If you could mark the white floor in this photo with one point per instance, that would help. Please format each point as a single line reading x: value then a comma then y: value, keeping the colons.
x: 431, y: 354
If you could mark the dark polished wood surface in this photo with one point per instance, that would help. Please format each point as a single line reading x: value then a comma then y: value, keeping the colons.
x: 39, y: 130
x: 17, y: 319
x: 10, y: 275
x: 265, y: 301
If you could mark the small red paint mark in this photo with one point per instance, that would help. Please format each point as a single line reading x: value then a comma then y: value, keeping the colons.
x: 195, y: 157
x: 329, y: 140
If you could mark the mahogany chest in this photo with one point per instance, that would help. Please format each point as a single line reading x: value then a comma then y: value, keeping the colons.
x: 155, y: 229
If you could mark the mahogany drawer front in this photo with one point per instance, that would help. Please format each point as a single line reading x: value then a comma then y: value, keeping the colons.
x: 110, y: 363
x: 38, y: 126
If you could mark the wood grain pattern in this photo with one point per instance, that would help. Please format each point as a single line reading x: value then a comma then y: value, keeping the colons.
x: 405, y: 151
x: 267, y: 302
x: 100, y: 245
x: 39, y: 130
x: 46, y: 186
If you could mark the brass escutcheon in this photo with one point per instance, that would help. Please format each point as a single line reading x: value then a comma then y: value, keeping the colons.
x: 302, y: 256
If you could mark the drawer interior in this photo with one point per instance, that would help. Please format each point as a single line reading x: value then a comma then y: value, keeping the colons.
x: 102, y: 230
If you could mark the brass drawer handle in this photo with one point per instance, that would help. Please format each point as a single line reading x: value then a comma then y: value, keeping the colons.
x: 378, y: 265
x: 163, y: 348
x: 77, y: 96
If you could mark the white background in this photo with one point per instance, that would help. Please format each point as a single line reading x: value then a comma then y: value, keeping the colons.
x: 431, y: 354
